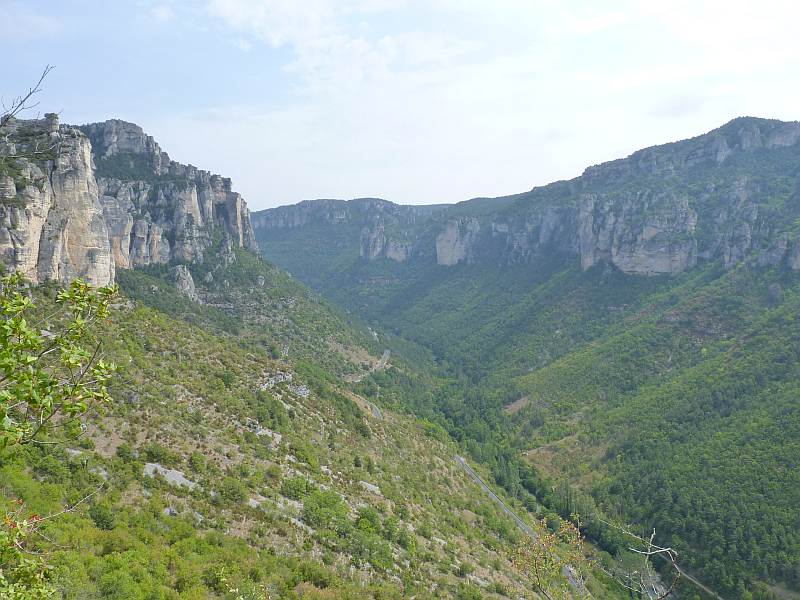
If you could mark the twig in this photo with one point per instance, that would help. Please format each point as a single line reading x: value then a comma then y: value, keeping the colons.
x: 20, y: 103
x: 74, y: 506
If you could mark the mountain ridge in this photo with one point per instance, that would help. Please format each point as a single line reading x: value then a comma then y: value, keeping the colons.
x: 237, y: 458
x: 664, y: 226
x: 638, y: 319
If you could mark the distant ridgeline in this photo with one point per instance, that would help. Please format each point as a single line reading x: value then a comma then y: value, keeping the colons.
x: 104, y: 196
x: 633, y: 331
x: 723, y: 195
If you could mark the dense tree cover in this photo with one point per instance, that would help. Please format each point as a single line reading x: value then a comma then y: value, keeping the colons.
x: 667, y: 402
x: 687, y: 404
x: 720, y: 472
x: 286, y: 473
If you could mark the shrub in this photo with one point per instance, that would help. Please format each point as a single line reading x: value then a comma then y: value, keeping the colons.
x: 103, y: 516
x: 23, y: 574
x: 296, y: 488
x: 407, y: 541
x: 232, y: 490
x: 197, y: 462
x: 324, y: 509
x: 368, y: 520
x: 125, y: 452
x: 305, y: 453
x: 464, y: 569
x: 156, y: 453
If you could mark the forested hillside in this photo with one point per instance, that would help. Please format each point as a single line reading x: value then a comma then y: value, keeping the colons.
x: 631, y: 332
x: 236, y: 461
x: 621, y: 348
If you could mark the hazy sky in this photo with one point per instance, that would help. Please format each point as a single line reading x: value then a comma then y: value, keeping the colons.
x: 414, y: 101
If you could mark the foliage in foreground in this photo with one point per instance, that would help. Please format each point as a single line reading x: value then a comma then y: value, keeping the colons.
x: 554, y: 562
x: 48, y: 381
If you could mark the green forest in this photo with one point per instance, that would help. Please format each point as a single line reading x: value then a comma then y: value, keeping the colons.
x: 664, y: 402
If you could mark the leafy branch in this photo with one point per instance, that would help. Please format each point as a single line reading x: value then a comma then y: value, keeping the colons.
x: 553, y: 561
x: 47, y: 379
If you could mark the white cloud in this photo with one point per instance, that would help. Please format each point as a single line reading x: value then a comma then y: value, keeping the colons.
x: 162, y: 13
x: 20, y: 24
x: 447, y: 99
x: 278, y: 22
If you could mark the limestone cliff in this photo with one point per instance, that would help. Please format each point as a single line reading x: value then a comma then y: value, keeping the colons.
x: 159, y: 210
x: 455, y: 243
x: 81, y: 202
x: 648, y: 234
x: 51, y: 219
x: 729, y: 195
x: 382, y: 228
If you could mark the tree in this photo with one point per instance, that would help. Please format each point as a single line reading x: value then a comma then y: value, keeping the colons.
x: 553, y: 561
x: 48, y: 381
x: 23, y: 102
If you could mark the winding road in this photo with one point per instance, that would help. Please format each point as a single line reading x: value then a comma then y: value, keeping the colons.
x: 520, y: 523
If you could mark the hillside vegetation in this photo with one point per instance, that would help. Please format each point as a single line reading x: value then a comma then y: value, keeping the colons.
x: 231, y: 452
x: 655, y: 372
x: 236, y: 461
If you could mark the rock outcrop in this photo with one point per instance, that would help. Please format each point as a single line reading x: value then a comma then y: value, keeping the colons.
x: 456, y: 242
x: 51, y: 219
x: 82, y: 202
x: 376, y: 243
x: 159, y: 210
x: 184, y: 283
x: 657, y: 212
x: 642, y: 235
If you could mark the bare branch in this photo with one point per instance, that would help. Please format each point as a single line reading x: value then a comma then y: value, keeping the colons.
x: 644, y: 577
x: 23, y: 102
x: 69, y: 509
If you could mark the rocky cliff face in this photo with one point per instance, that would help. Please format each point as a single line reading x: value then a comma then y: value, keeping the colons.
x: 159, y: 210
x: 732, y: 194
x: 647, y: 234
x: 382, y: 227
x: 88, y: 200
x: 457, y: 241
x: 376, y: 243
x: 51, y: 220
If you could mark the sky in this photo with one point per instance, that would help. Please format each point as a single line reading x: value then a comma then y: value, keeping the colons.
x: 415, y: 101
